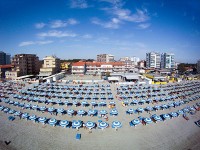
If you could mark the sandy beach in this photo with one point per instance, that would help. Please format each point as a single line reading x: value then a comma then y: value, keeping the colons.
x: 173, y: 134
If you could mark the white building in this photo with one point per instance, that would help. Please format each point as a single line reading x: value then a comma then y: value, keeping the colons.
x: 152, y: 60
x: 105, y: 58
x: 79, y: 68
x: 51, y: 66
x: 167, y: 60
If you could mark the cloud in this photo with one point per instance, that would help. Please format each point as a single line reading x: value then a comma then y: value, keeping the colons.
x: 40, y: 25
x: 61, y: 24
x: 79, y: 4
x: 27, y: 43
x: 144, y: 26
x: 56, y: 33
x: 87, y: 36
x: 112, y: 24
x: 72, y: 21
x: 126, y: 15
x: 115, y: 3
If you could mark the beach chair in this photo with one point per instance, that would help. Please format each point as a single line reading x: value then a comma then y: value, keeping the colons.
x: 131, y: 124
x: 78, y: 136
x: 11, y: 118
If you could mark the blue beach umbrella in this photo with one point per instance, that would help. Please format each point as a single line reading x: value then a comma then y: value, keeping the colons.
x: 116, y: 124
x: 52, y: 121
x: 92, y: 112
x: 114, y: 112
x: 103, y: 125
x: 70, y: 111
x: 90, y: 124
x: 64, y: 123
x: 130, y: 110
x: 135, y: 122
x: 35, y: 107
x: 156, y: 118
x: 139, y: 109
x: 81, y: 112
x: 166, y: 116
x: 25, y: 116
x: 103, y: 112
x: 11, y: 111
x: 33, y: 117
x: 60, y: 110
x: 76, y: 124
x: 147, y: 120
x: 42, y: 120
x: 17, y: 113
x: 51, y: 109
x: 42, y: 108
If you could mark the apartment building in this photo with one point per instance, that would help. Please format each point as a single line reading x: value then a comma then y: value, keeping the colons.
x: 24, y: 64
x: 51, y: 66
x: 167, y: 60
x: 103, y: 67
x: 105, y: 58
x: 4, y: 58
x: 79, y: 68
x: 153, y: 60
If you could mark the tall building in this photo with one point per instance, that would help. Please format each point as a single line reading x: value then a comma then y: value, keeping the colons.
x: 8, y: 59
x: 167, y: 60
x: 128, y: 62
x: 4, y: 58
x: 198, y: 66
x: 152, y: 60
x: 26, y: 64
x: 51, y: 66
x: 105, y: 58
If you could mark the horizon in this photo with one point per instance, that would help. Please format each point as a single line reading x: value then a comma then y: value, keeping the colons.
x: 81, y: 29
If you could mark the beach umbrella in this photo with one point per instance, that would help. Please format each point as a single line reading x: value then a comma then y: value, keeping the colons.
x: 141, y: 102
x: 102, y: 103
x: 139, y: 109
x: 52, y: 121
x: 90, y: 124
x: 42, y: 108
x: 60, y: 110
x: 11, y: 102
x: 112, y: 103
x: 28, y: 106
x: 81, y: 112
x: 11, y: 111
x: 166, y: 116
x: 130, y: 110
x: 103, y: 112
x: 92, y: 112
x: 42, y: 120
x: 135, y: 122
x: 174, y: 114
x: 25, y: 116
x: 70, y: 112
x: 16, y: 103
x: 17, y: 113
x: 134, y: 102
x: 156, y: 107
x: 6, y: 110
x: 116, y: 124
x: 156, y: 118
x: 84, y: 103
x: 64, y: 123
x: 76, y: 124
x: 93, y: 103
x: 103, y: 125
x: 32, y: 117
x: 51, y: 109
x: 114, y: 112
x: 35, y: 107
x: 147, y: 120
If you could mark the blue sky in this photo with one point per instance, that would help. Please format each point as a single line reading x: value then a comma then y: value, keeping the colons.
x: 84, y: 28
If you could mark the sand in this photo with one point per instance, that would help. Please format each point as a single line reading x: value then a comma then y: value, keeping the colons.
x: 173, y: 134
